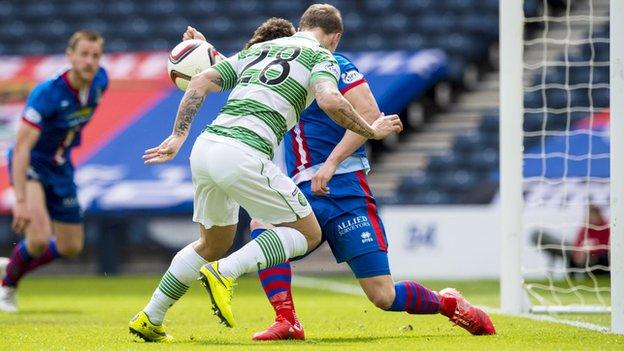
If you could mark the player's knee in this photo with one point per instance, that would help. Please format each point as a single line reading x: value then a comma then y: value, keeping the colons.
x: 314, y: 241
x: 212, y: 250
x: 70, y: 249
x: 382, y: 297
x: 254, y: 224
x: 36, y: 245
x: 382, y: 300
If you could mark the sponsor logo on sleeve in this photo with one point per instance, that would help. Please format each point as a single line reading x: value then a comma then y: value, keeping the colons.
x: 32, y: 115
x: 332, y: 68
x: 351, y: 77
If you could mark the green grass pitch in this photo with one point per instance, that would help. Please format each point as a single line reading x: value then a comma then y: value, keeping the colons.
x: 72, y: 313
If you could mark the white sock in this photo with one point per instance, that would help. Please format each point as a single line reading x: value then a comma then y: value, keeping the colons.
x: 182, y: 272
x: 271, y: 247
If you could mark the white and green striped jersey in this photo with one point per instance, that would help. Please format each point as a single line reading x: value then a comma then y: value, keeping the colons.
x: 272, y: 86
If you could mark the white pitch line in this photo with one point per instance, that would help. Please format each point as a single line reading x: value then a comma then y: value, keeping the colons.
x: 350, y: 289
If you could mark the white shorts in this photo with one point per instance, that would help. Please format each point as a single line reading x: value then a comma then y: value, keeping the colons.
x: 226, y: 175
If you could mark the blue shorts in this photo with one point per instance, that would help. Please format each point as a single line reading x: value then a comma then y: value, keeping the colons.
x: 60, y: 190
x: 351, y: 225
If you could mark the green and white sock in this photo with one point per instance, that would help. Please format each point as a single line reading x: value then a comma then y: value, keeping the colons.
x: 182, y: 272
x: 271, y: 247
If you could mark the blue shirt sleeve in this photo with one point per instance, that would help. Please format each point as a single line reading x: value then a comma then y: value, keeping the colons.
x: 40, y: 105
x: 350, y: 76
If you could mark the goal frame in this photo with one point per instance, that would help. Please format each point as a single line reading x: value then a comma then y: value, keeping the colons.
x: 513, y: 297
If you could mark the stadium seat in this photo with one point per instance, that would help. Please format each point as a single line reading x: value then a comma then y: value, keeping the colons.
x: 443, y: 164
x: 467, y: 143
x: 490, y: 123
x: 433, y: 197
x: 533, y: 99
x: 556, y: 98
x: 600, y: 97
x: 485, y: 160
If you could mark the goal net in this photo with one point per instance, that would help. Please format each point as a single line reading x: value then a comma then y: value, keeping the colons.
x: 556, y: 154
x: 565, y: 263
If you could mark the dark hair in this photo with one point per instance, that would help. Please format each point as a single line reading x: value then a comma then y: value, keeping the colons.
x: 323, y: 16
x: 85, y: 34
x: 273, y: 28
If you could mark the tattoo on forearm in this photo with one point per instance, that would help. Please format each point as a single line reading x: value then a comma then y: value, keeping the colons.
x: 352, y: 122
x: 218, y: 82
x: 345, y: 114
x: 191, y: 102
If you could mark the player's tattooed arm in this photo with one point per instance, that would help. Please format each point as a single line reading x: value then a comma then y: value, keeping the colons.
x: 339, y: 109
x: 191, y: 102
x: 199, y: 86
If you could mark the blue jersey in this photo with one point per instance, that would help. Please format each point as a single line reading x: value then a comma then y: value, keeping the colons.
x: 60, y: 112
x: 348, y: 215
x: 312, y: 140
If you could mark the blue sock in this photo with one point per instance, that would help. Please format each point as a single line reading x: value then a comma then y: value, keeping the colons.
x: 276, y: 282
x: 414, y: 298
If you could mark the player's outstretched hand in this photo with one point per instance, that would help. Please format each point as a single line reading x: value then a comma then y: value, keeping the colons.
x: 386, y: 125
x: 164, y: 152
x: 192, y: 33
x: 21, y: 217
x: 322, y: 177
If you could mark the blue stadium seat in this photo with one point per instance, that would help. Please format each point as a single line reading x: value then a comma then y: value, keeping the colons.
x: 8, y: 10
x: 460, y: 6
x: 207, y: 8
x: 556, y: 98
x: 533, y: 121
x: 435, y: 24
x: 531, y: 8
x: 485, y: 160
x: 580, y: 97
x: 378, y: 7
x: 443, y: 164
x: 415, y: 183
x: 601, y: 74
x: 556, y: 75
x: 533, y: 99
x: 418, y: 7
x: 490, y: 123
x: 433, y: 197
x: 579, y: 74
x: 473, y: 49
x: 459, y: 181
x: 353, y: 23
x: 600, y: 97
x: 467, y: 143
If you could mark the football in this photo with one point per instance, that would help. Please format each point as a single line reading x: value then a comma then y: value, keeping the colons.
x: 189, y: 58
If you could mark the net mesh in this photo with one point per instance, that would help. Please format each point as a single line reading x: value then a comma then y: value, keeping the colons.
x: 566, y: 154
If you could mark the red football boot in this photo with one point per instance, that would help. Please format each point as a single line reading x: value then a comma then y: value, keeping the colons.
x: 462, y: 313
x: 281, y: 329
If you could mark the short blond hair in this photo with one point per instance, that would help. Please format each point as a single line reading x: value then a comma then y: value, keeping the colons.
x: 84, y: 34
x: 323, y: 16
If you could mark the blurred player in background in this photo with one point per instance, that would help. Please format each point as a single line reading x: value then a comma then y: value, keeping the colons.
x: 321, y: 155
x: 590, y: 250
x: 231, y: 161
x: 46, y: 206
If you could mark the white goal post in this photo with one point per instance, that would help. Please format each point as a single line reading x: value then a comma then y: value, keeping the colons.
x: 617, y: 165
x: 519, y: 294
